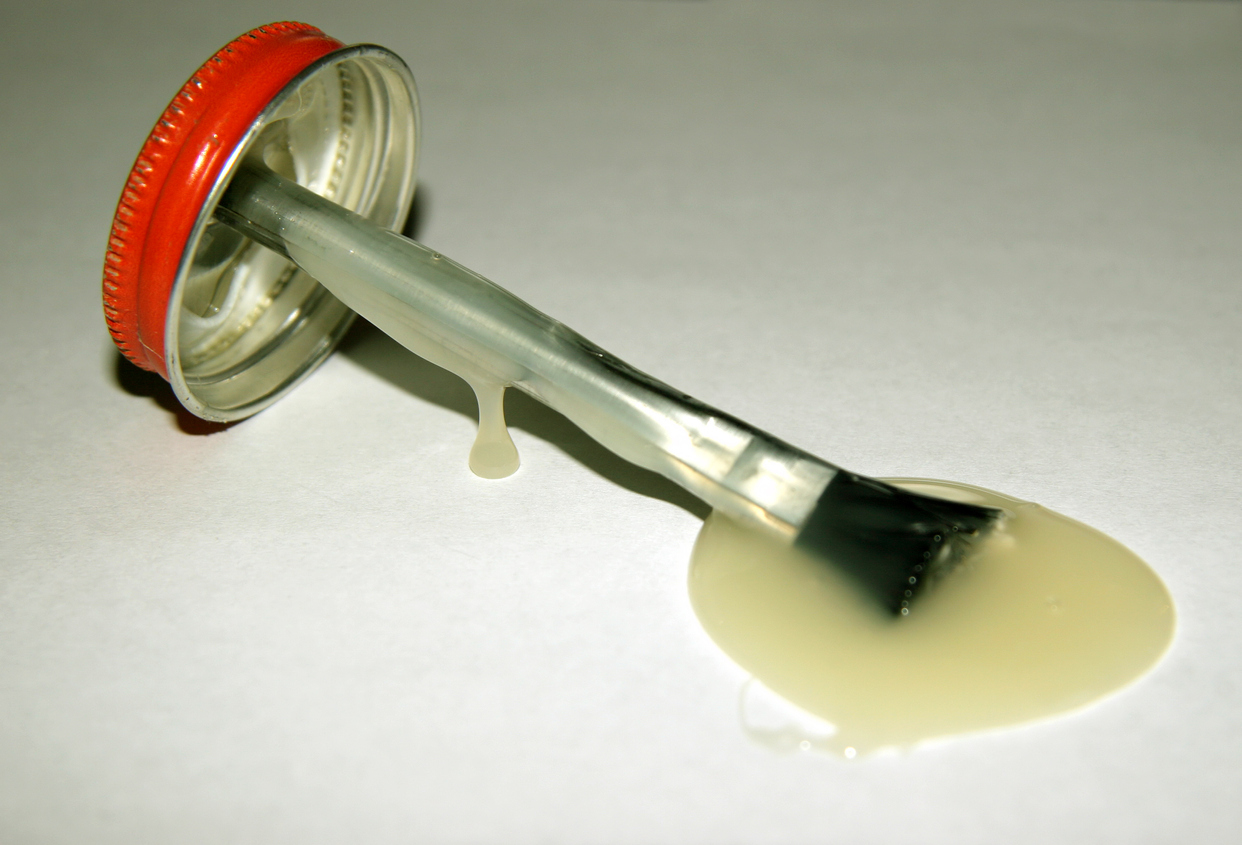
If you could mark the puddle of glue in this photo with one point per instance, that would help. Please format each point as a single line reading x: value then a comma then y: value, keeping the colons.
x: 1046, y: 616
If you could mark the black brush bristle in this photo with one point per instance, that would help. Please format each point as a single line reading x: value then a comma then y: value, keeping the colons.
x: 890, y: 541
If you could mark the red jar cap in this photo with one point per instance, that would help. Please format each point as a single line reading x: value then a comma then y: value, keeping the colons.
x: 176, y: 170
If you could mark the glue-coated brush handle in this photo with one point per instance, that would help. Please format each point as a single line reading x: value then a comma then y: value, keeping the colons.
x: 456, y: 318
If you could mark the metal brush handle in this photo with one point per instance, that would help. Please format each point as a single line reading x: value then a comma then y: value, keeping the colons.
x: 458, y: 319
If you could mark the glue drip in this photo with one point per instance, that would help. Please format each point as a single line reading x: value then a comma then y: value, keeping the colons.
x: 493, y: 454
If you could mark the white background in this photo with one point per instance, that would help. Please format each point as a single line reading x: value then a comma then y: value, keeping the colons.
x: 986, y: 241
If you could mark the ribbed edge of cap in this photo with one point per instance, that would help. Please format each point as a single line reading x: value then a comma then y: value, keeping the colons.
x: 178, y: 166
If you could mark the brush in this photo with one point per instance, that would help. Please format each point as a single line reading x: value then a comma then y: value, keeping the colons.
x: 242, y: 316
x: 891, y: 542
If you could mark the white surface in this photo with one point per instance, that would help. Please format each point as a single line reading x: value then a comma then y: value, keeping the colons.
x: 992, y: 242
